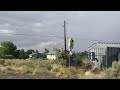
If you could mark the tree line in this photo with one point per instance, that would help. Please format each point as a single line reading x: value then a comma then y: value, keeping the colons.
x: 8, y: 48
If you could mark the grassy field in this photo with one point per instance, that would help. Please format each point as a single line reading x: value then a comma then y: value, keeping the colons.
x: 51, y: 69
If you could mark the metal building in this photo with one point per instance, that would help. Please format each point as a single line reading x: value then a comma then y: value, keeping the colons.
x: 104, y: 53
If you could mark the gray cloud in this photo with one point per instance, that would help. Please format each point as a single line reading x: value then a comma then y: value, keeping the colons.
x: 98, y: 25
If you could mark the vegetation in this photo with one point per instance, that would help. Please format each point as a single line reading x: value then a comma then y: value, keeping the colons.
x: 59, y: 53
x: 10, y: 49
x: 46, y: 51
x: 7, y: 48
x: 28, y: 66
x: 80, y: 58
x: 114, y: 71
x: 57, y: 68
x: 21, y: 65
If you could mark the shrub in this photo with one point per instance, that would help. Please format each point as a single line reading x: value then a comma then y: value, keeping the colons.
x: 7, y: 63
x: 43, y: 70
x: 78, y: 62
x: 6, y: 69
x: 114, y: 71
x: 17, y: 63
x: 65, y: 72
x: 68, y: 72
x: 25, y: 69
x: 55, y: 68
x: 60, y: 62
x: 87, y: 64
x: 2, y: 61
x: 110, y: 73
x: 31, y: 66
x: 96, y: 70
x: 115, y: 65
x: 90, y: 75
x: 40, y: 71
x: 73, y: 70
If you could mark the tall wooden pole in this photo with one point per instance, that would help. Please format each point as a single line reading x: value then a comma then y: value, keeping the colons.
x: 65, y: 35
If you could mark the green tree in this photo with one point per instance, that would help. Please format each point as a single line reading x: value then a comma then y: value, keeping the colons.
x: 1, y: 52
x: 17, y: 53
x: 59, y: 53
x: 83, y: 55
x: 7, y: 48
x: 23, y: 54
x: 30, y: 51
x: 46, y: 50
x: 36, y: 52
x: 80, y: 56
x: 56, y: 50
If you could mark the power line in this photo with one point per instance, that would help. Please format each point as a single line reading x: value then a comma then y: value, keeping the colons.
x: 32, y: 35
x: 57, y: 37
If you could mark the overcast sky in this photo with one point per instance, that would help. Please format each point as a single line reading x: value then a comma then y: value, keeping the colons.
x: 85, y: 25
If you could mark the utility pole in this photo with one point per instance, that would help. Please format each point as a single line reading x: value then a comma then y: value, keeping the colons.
x: 69, y: 59
x: 65, y: 36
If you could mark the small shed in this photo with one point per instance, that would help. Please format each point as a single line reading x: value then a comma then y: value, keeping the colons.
x: 104, y: 53
x: 51, y: 56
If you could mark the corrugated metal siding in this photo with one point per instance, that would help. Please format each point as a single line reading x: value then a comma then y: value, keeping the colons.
x: 104, y: 45
x: 112, y: 54
x: 99, y: 53
x: 105, y: 52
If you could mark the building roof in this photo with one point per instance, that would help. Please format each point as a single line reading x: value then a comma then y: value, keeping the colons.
x: 105, y: 45
x: 51, y: 53
x: 109, y: 44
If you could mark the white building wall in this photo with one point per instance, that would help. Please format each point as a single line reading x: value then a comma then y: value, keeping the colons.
x: 51, y: 57
x: 99, y: 52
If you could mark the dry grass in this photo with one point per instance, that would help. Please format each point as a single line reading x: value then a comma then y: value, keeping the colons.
x: 41, y: 67
x: 46, y: 67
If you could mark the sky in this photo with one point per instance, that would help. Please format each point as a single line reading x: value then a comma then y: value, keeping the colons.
x: 85, y: 27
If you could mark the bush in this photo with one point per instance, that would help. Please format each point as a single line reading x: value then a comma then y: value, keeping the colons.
x: 90, y: 75
x: 96, y: 70
x: 87, y: 64
x: 56, y: 68
x: 115, y: 65
x: 25, y: 69
x: 51, y: 66
x: 6, y: 69
x: 63, y: 71
x: 40, y: 71
x: 7, y: 63
x: 68, y: 72
x: 33, y: 66
x: 73, y: 71
x: 110, y: 73
x: 2, y: 61
x: 60, y: 62
x: 78, y: 62
x: 114, y: 71
x: 17, y: 63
